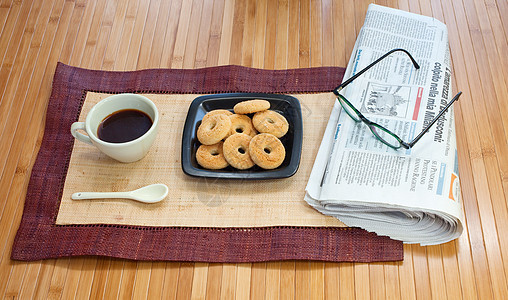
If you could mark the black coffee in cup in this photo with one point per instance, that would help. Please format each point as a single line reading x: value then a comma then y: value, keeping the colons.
x: 124, y: 126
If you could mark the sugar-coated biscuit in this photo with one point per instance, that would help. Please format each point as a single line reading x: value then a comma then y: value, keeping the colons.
x: 251, y: 106
x: 236, y: 151
x: 211, y: 156
x: 267, y: 151
x: 214, y: 129
x: 272, y: 122
x: 216, y: 112
x: 241, y: 124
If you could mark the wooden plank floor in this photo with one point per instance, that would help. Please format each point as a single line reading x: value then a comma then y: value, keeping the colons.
x: 129, y: 35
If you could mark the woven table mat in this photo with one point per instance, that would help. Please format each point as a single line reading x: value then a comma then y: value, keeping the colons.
x: 192, y: 202
x: 40, y: 236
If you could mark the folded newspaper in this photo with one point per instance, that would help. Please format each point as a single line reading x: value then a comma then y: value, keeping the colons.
x: 410, y: 195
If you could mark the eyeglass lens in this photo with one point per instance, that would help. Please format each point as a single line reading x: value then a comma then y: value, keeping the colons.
x: 349, y: 109
x: 385, y: 136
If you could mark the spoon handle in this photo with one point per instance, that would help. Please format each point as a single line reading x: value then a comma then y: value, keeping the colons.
x: 94, y: 195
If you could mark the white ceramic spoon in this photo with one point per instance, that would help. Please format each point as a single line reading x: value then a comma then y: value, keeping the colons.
x: 148, y: 194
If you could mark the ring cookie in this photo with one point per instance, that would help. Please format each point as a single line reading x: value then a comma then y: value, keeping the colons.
x: 272, y: 122
x: 211, y: 156
x: 217, y: 112
x: 267, y: 151
x: 251, y: 106
x: 236, y: 151
x: 214, y: 129
x: 241, y: 124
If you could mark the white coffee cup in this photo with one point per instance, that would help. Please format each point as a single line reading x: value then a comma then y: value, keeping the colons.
x: 126, y: 152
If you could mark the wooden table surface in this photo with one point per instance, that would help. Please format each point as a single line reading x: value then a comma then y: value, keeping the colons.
x: 129, y: 35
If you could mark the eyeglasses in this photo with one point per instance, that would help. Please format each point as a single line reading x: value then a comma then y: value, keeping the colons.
x: 382, y: 133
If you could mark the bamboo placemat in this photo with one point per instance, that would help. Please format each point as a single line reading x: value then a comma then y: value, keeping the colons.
x: 192, y: 202
x: 51, y: 228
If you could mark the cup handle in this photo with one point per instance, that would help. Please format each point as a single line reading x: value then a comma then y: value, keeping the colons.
x: 78, y: 135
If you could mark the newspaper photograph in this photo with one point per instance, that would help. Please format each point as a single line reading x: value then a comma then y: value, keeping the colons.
x: 412, y: 195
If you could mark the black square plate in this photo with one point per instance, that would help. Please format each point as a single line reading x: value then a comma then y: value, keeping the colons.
x: 288, y: 106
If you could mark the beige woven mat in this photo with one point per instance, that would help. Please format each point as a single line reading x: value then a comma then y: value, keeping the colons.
x: 192, y: 202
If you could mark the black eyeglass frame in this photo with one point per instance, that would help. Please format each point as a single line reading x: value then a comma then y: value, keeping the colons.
x: 372, y: 125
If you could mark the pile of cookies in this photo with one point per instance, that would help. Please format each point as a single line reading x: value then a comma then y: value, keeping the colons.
x: 241, y: 142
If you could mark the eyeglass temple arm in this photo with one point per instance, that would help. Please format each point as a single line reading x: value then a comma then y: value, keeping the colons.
x: 343, y: 85
x: 418, y: 137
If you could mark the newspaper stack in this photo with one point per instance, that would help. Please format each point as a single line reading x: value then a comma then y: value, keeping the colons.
x: 409, y: 195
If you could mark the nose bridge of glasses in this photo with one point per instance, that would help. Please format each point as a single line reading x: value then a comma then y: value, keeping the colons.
x: 364, y: 119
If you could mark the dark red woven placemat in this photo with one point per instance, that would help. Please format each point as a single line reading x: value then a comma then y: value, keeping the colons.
x: 39, y: 238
